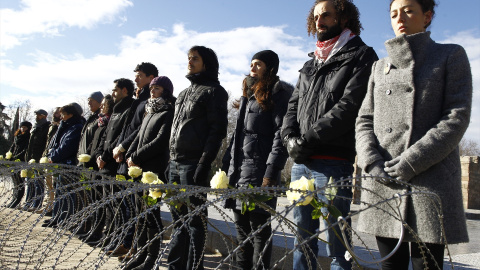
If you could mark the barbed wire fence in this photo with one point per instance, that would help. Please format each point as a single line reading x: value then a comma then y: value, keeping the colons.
x: 87, y: 197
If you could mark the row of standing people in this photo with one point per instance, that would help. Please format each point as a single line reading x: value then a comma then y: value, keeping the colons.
x: 427, y: 84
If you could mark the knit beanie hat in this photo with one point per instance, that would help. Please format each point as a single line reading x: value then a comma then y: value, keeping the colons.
x: 164, y: 82
x: 97, y: 96
x: 270, y: 58
x: 26, y: 124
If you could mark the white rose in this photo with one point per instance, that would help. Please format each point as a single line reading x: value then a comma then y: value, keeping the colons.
x: 44, y: 160
x: 23, y: 173
x: 134, y: 171
x: 331, y: 190
x: 8, y: 155
x: 31, y: 161
x: 84, y: 158
x: 148, y: 177
x: 155, y: 193
x: 304, y: 185
x: 1, y: 157
x: 219, y: 180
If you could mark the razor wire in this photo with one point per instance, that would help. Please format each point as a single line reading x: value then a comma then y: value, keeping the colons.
x: 87, y: 198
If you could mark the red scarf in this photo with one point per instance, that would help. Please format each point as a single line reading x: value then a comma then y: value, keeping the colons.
x: 325, y: 47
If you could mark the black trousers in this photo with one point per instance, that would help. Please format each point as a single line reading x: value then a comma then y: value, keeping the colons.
x: 410, y: 250
x: 249, y: 254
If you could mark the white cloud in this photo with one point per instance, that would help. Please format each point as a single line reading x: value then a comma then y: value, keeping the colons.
x: 49, y: 17
x: 55, y: 80
x: 470, y: 40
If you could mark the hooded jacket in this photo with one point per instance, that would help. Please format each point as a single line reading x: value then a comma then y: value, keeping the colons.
x: 200, y: 121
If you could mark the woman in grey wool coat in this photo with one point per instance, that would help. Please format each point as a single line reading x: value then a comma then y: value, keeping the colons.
x: 415, y: 113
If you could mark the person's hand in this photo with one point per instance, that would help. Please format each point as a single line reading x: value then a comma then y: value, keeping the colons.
x: 376, y: 170
x: 117, y: 151
x: 119, y: 158
x: 399, y: 169
x: 130, y: 163
x: 297, y: 150
x: 268, y: 182
x: 100, y: 163
x: 201, y: 174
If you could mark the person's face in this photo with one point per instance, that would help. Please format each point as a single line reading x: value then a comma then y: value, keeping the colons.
x: 326, y: 21
x: 156, y: 91
x: 195, y: 63
x: 103, y: 107
x: 257, y: 68
x: 118, y: 93
x: 23, y: 129
x: 56, y: 115
x: 408, y: 18
x: 141, y: 79
x: 39, y: 117
x: 65, y: 116
x: 93, y: 105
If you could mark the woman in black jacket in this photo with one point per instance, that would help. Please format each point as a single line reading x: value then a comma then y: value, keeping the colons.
x: 149, y: 151
x: 18, y: 149
x: 256, y: 154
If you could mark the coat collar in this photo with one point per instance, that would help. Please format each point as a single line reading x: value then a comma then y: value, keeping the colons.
x: 123, y: 104
x: 404, y: 50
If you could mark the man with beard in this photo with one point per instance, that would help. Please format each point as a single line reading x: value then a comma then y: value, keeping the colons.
x: 199, y: 126
x: 319, y: 127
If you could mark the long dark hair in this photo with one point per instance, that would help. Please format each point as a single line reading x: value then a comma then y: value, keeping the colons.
x: 262, y: 90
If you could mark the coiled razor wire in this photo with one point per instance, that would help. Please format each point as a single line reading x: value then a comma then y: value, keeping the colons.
x: 25, y: 244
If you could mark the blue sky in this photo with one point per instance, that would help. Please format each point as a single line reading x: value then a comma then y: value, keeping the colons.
x: 55, y: 52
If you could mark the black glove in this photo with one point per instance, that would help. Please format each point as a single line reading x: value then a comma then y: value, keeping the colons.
x: 297, y: 150
x: 376, y: 169
x: 201, y: 175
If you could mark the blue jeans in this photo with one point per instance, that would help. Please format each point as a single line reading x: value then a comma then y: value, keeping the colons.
x: 321, y: 170
x: 188, y: 243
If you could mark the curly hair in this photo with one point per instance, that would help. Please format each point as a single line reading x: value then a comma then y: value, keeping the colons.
x: 345, y: 9
x: 147, y: 68
x: 427, y: 5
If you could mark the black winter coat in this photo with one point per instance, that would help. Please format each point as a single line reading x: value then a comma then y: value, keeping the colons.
x: 149, y: 150
x: 64, y: 145
x: 88, y: 132
x: 19, y: 146
x: 256, y: 150
x: 326, y: 100
x: 95, y: 145
x: 38, y: 141
x: 200, y: 121
x: 110, y: 137
x: 132, y: 125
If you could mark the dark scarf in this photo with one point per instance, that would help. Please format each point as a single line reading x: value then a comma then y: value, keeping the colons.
x: 40, y: 123
x: 251, y: 81
x: 154, y: 105
x: 103, y: 119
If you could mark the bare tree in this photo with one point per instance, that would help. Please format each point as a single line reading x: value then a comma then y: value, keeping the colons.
x: 469, y: 147
x: 232, y: 117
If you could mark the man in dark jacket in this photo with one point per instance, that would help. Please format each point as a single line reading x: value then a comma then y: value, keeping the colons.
x: 36, y: 146
x: 89, y: 128
x: 144, y: 74
x: 199, y: 126
x: 319, y: 126
x: 122, y: 96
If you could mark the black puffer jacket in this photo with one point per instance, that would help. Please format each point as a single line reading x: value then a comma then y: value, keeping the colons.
x: 19, y: 146
x: 326, y: 100
x: 38, y: 141
x: 132, y: 125
x: 110, y: 137
x: 88, y: 132
x: 256, y: 150
x: 149, y: 150
x: 200, y: 121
